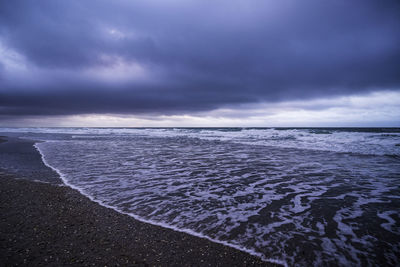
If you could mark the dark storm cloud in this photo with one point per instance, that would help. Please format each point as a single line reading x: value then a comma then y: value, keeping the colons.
x: 197, y: 55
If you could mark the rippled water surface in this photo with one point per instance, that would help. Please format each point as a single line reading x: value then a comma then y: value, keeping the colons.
x: 302, y: 196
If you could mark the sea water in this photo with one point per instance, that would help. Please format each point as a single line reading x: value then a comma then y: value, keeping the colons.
x: 301, y: 197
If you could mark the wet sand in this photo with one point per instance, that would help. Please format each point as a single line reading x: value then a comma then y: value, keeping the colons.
x: 48, y: 224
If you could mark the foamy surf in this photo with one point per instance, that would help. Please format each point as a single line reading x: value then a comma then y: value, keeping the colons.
x: 139, y: 218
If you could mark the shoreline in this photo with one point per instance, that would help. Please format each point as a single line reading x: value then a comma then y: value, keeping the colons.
x: 69, y: 228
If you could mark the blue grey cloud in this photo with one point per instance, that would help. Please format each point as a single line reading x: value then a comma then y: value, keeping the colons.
x: 194, y: 55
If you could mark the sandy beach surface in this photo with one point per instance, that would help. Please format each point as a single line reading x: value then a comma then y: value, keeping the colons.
x: 53, y: 225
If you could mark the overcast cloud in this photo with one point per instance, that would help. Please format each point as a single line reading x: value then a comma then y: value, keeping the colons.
x: 176, y: 58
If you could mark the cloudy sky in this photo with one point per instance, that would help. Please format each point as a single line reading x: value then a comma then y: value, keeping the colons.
x: 200, y: 63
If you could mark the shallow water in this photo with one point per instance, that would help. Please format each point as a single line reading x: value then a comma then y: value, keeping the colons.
x: 301, y: 196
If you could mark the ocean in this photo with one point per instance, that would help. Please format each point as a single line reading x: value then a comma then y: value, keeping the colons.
x: 296, y: 196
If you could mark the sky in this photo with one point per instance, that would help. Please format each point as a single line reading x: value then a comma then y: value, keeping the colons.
x: 171, y: 63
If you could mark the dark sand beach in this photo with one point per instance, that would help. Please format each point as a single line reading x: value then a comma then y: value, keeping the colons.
x: 53, y: 225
